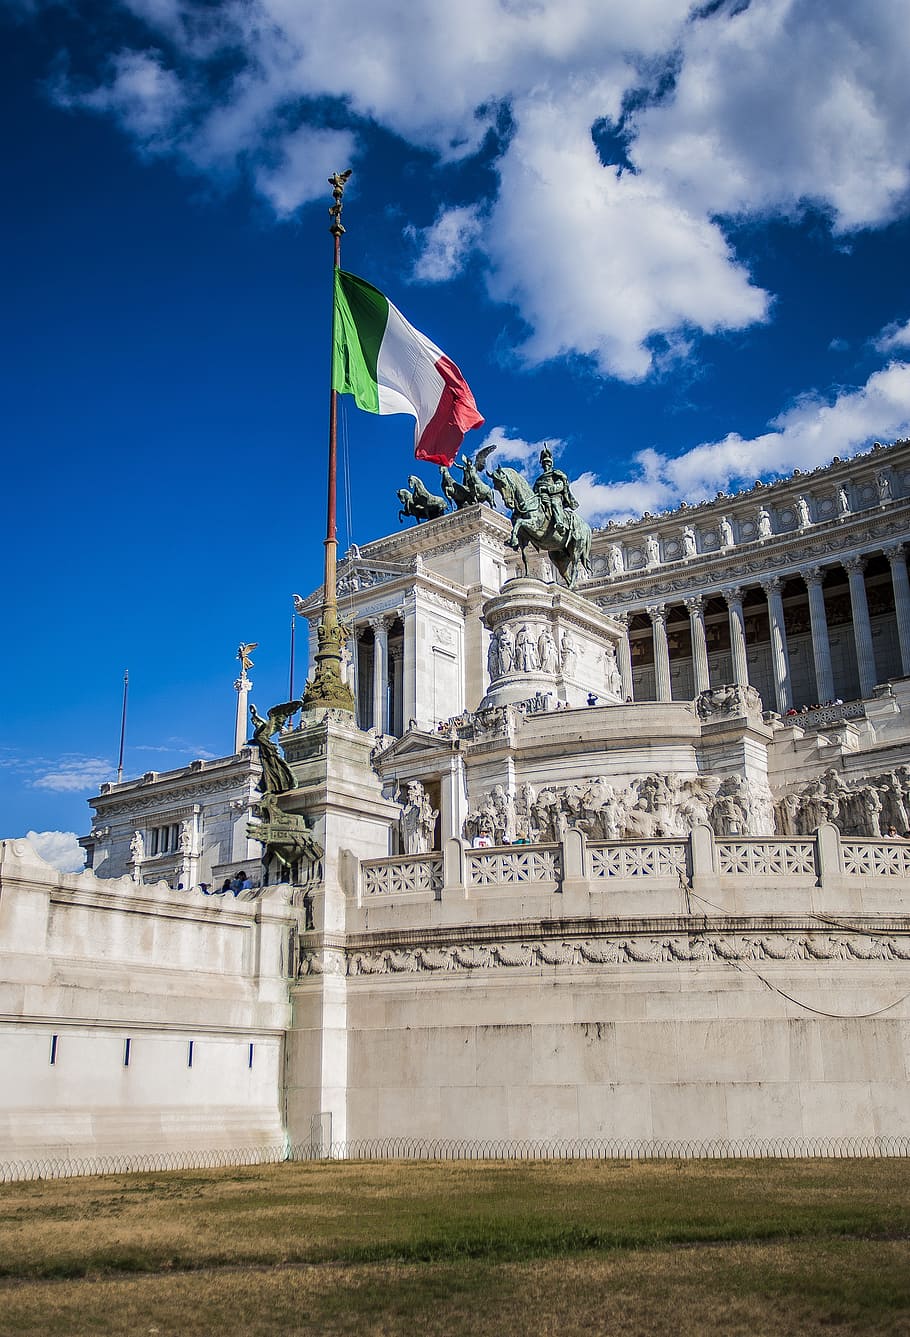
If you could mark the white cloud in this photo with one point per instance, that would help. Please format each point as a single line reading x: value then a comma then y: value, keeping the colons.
x: 772, y: 106
x: 804, y: 436
x: 893, y: 336
x: 305, y: 160
x: 75, y: 774
x: 446, y: 244
x: 635, y: 267
x: 785, y: 103
x: 60, y: 849
x: 146, y: 98
x: 515, y: 450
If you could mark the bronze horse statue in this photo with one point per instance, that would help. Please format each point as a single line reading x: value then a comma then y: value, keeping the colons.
x: 416, y: 500
x: 532, y: 522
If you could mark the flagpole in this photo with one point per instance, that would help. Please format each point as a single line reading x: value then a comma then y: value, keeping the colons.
x: 126, y: 688
x: 327, y: 688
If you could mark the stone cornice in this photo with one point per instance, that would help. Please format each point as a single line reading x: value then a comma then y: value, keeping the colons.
x: 186, y: 787
x: 454, y: 528
x: 784, y: 555
x: 854, y: 473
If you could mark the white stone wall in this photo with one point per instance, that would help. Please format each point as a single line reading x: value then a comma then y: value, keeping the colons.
x: 664, y: 1052
x: 96, y: 963
x: 712, y: 990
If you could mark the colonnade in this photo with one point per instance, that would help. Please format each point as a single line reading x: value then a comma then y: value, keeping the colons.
x: 772, y: 586
x: 385, y: 683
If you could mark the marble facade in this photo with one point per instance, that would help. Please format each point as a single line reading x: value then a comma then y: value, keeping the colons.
x: 590, y: 869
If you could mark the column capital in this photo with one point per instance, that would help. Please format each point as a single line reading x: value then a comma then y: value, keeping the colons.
x: 694, y: 605
x: 772, y: 584
x: 622, y: 618
x: 813, y: 575
x: 380, y: 622
x: 733, y: 595
x: 895, y: 552
x: 854, y: 564
x: 657, y: 613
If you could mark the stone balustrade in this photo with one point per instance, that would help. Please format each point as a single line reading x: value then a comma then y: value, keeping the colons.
x: 827, y: 715
x: 512, y: 865
x: 402, y: 875
x: 698, y: 861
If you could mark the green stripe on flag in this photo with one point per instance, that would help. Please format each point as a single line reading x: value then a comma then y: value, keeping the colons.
x: 359, y: 323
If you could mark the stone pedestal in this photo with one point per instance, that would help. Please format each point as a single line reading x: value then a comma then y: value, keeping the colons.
x: 341, y: 795
x: 546, y: 639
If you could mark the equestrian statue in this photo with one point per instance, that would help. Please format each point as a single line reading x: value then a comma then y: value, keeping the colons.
x: 546, y: 516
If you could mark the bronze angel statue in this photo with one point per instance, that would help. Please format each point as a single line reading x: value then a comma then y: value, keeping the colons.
x: 277, y: 776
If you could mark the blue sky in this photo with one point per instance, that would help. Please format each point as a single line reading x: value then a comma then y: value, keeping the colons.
x: 670, y: 238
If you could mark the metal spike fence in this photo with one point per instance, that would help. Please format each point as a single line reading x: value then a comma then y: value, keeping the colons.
x: 457, y: 1149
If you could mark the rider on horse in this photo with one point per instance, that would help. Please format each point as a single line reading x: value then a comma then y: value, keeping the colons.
x: 555, y: 492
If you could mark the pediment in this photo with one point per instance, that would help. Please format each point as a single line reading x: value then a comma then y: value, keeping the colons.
x: 360, y: 575
x: 355, y: 574
x: 416, y: 742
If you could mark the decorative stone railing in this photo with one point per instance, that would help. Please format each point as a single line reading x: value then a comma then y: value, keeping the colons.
x: 700, y: 862
x: 653, y: 858
x: 403, y: 874
x: 827, y: 715
x: 875, y: 858
x: 766, y: 857
x: 512, y: 865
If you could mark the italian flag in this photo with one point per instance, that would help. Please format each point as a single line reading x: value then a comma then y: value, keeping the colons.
x: 389, y: 367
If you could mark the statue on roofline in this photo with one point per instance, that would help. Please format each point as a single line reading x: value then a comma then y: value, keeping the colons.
x: 418, y: 501
x: 472, y: 490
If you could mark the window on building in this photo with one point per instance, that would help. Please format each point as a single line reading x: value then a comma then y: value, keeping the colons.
x: 164, y: 839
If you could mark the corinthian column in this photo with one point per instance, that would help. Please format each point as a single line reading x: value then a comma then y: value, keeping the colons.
x: 409, y: 667
x: 380, y: 673
x: 624, y: 656
x: 780, y: 660
x: 901, y: 586
x: 862, y: 628
x: 657, y: 614
x: 821, y: 648
x: 734, y: 600
x: 702, y: 676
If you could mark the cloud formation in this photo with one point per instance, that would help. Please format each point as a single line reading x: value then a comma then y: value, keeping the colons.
x: 75, y: 774
x: 637, y: 133
x: 804, y: 436
x: 511, y: 449
x: 893, y: 337
x: 60, y: 849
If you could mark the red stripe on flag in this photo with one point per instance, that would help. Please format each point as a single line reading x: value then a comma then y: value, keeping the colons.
x: 456, y: 414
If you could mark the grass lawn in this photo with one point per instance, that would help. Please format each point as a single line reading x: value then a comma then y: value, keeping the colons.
x: 732, y: 1247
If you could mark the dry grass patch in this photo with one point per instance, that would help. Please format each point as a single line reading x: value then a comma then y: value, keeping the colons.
x: 701, y: 1247
x: 794, y: 1290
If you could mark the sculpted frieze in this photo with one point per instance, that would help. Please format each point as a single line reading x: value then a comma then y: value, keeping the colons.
x: 651, y: 806
x: 616, y: 950
x: 871, y: 806
x: 189, y: 792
